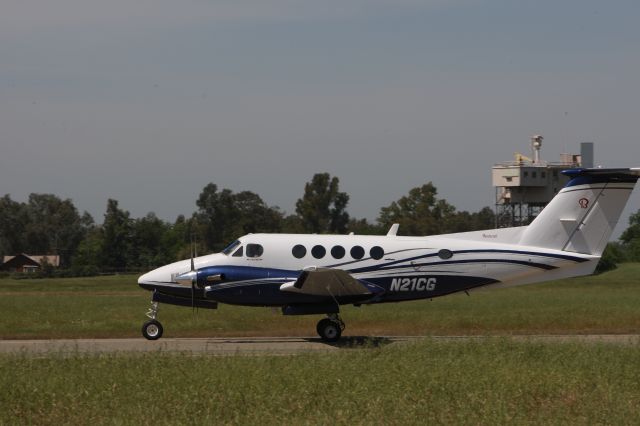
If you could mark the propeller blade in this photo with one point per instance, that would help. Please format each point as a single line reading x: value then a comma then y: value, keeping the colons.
x: 193, y: 296
x: 194, y: 278
x: 191, y: 250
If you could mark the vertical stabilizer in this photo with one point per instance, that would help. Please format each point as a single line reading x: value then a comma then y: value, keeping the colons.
x: 582, y: 216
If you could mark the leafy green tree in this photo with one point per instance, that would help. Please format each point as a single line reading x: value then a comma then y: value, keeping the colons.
x: 215, y: 215
x: 148, y: 246
x: 322, y: 208
x: 117, y: 233
x: 613, y: 254
x: 633, y: 231
x: 87, y: 259
x: 254, y: 215
x: 223, y: 216
x: 292, y: 224
x: 464, y: 221
x: 485, y: 218
x: 13, y: 222
x: 177, y: 239
x: 419, y: 213
x: 363, y: 227
x: 422, y: 213
x: 46, y: 224
x: 631, y: 238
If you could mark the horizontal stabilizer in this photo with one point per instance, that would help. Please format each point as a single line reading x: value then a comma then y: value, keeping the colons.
x: 582, y: 216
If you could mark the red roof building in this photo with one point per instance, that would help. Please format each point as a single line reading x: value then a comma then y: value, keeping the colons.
x: 28, y: 263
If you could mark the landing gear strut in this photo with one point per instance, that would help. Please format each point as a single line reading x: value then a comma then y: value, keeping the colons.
x: 152, y: 330
x: 330, y: 329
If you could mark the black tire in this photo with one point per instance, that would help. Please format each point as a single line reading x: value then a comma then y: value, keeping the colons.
x: 152, y: 330
x: 329, y: 330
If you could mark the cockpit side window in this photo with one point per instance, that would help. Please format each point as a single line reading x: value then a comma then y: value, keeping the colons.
x: 231, y: 247
x: 239, y: 252
x: 254, y: 250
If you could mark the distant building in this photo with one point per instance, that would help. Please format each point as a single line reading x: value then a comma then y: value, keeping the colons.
x: 525, y: 186
x: 28, y: 263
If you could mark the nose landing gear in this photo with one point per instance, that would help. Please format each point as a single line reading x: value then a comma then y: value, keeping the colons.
x: 152, y: 330
x: 330, y: 329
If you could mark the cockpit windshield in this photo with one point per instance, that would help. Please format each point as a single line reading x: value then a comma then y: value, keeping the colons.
x: 229, y: 249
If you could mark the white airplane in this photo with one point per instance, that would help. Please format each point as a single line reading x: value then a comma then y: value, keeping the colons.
x: 315, y: 274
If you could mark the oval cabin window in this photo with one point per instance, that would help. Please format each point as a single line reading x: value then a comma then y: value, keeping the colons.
x: 357, y: 252
x: 338, y: 252
x: 299, y: 251
x: 318, y: 252
x: 376, y: 252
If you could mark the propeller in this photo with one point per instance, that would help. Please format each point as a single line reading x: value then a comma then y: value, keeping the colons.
x: 194, y: 275
x: 190, y: 278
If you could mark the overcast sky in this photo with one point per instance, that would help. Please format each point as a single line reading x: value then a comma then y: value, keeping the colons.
x: 148, y: 101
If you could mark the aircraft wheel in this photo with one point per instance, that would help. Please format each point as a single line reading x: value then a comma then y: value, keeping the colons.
x: 329, y: 330
x: 152, y: 330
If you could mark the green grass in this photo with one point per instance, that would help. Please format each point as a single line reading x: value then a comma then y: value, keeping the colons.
x: 491, y: 381
x: 114, y: 306
x: 494, y: 381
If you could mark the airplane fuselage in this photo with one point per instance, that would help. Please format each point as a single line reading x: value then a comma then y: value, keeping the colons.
x: 404, y: 268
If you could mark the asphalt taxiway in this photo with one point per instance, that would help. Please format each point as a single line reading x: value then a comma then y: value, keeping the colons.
x: 264, y: 345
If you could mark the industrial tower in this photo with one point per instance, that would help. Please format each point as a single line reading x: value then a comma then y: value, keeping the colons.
x: 524, y: 186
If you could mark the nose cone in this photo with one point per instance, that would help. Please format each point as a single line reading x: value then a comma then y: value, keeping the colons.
x: 145, y: 278
x: 165, y: 275
x: 169, y: 275
x: 188, y: 278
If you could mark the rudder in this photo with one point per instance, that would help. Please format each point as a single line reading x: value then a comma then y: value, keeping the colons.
x: 582, y: 216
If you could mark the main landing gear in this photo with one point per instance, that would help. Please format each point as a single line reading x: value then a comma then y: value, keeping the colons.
x: 330, y: 329
x: 152, y: 330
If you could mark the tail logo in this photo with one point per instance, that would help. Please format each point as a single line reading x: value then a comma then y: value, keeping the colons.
x: 584, y: 203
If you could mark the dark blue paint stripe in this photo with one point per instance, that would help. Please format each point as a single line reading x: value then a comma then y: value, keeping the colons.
x: 391, y: 269
x: 594, y: 176
x: 530, y: 253
x: 466, y: 261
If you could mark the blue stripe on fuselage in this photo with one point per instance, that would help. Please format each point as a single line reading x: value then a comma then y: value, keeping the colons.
x: 425, y: 256
x: 261, y: 286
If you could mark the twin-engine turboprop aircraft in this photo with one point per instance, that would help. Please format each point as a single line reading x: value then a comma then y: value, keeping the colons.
x: 315, y: 274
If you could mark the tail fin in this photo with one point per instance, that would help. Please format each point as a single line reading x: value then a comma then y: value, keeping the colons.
x: 582, y: 216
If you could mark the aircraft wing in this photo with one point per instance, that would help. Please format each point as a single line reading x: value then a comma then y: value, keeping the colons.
x: 329, y: 282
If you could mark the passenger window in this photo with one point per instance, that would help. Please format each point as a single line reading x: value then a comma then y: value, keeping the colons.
x: 254, y: 250
x: 239, y: 252
x: 299, y: 251
x: 376, y: 252
x: 318, y: 252
x: 337, y: 252
x: 357, y: 252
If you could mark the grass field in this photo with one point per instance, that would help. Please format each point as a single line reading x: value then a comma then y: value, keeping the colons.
x: 114, y: 306
x: 496, y: 381
x: 492, y: 381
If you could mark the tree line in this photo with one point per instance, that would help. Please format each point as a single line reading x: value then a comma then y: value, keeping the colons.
x: 46, y: 224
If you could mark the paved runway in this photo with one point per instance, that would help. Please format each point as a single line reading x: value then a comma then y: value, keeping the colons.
x: 260, y: 345
x: 214, y: 346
